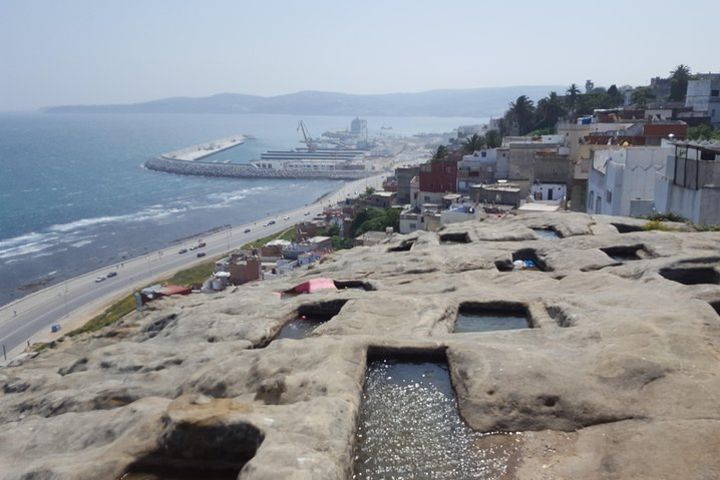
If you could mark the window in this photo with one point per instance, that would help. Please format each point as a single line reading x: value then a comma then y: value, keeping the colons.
x: 590, y: 200
x: 608, y: 196
x: 413, y: 226
x: 483, y: 154
x: 715, y: 93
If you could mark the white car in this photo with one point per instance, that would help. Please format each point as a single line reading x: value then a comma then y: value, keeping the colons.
x: 99, y: 279
x: 286, y: 217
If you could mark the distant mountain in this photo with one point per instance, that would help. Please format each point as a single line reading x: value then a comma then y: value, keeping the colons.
x: 477, y: 102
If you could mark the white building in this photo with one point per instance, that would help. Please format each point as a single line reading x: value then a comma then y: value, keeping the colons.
x: 478, y: 167
x: 622, y: 180
x: 554, y: 192
x: 458, y: 213
x: 703, y: 95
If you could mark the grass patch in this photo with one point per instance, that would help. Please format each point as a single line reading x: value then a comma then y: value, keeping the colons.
x: 666, y: 217
x: 114, y: 313
x: 657, y: 225
x: 193, y: 275
x: 288, y: 235
x: 189, y: 276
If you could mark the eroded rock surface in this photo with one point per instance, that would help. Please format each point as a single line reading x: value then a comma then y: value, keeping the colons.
x: 618, y: 379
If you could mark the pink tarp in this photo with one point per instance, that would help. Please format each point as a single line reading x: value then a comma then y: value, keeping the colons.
x: 313, y: 285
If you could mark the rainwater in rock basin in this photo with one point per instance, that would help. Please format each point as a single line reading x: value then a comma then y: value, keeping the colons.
x: 489, y: 321
x: 180, y: 475
x: 546, y: 233
x: 298, y: 328
x: 309, y: 317
x: 409, y: 427
x: 487, y: 317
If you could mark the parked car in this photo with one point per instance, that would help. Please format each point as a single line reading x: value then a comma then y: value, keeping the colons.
x: 286, y: 217
x: 194, y: 247
x: 202, y: 244
x: 183, y: 250
x: 201, y: 254
x: 247, y: 230
x: 306, y: 213
x: 99, y: 279
x: 111, y: 274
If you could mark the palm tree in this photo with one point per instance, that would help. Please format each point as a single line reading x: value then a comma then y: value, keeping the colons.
x: 572, y: 94
x: 474, y: 143
x: 678, y: 82
x: 549, y: 110
x: 440, y: 153
x: 522, y: 112
x: 493, y: 139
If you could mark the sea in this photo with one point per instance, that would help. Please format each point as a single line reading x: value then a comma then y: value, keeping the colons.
x: 74, y: 195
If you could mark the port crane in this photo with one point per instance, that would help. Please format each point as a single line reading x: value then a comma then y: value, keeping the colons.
x: 311, y: 145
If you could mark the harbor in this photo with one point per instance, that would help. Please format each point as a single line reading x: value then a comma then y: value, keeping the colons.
x: 336, y: 155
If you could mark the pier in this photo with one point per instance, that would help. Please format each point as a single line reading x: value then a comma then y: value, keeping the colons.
x: 241, y: 170
x: 203, y: 150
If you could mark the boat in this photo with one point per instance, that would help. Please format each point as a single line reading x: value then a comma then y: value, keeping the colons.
x: 317, y: 155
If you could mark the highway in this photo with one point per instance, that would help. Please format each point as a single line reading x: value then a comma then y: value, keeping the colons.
x: 79, y: 298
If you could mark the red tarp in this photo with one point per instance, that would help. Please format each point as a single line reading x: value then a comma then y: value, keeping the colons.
x: 174, y: 290
x: 313, y: 286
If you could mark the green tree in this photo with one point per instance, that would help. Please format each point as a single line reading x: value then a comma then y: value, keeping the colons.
x: 678, y: 82
x: 641, y: 96
x: 522, y: 113
x: 441, y: 152
x: 615, y: 96
x: 473, y: 143
x: 332, y: 231
x: 340, y: 243
x: 376, y: 220
x: 549, y: 110
x: 573, y: 92
x: 703, y: 132
x: 493, y: 139
x: 369, y: 191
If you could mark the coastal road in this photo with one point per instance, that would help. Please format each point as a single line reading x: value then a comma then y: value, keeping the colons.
x: 80, y: 298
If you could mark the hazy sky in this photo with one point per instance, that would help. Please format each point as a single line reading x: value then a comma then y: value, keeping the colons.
x: 101, y: 51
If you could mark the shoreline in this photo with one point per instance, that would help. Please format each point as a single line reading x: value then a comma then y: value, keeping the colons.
x: 44, y: 302
x: 81, y: 297
x: 59, y: 278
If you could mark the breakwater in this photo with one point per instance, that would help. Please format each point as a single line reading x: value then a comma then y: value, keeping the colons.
x: 237, y: 170
x: 202, y: 150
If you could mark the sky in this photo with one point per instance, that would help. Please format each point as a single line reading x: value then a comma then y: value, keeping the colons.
x: 100, y: 51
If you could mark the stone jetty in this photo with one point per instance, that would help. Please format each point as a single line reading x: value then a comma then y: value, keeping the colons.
x: 238, y: 170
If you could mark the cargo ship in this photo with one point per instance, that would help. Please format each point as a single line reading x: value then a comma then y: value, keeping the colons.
x: 347, y: 153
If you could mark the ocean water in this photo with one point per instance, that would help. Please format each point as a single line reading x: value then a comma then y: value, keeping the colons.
x: 74, y: 195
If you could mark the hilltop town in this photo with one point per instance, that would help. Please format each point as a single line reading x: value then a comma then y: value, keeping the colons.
x: 647, y: 152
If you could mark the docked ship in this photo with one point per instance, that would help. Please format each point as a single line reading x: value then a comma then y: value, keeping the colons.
x: 326, y: 156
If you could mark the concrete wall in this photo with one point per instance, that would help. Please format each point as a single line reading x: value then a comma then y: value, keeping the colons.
x: 699, y: 205
x: 404, y: 175
x: 703, y: 95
